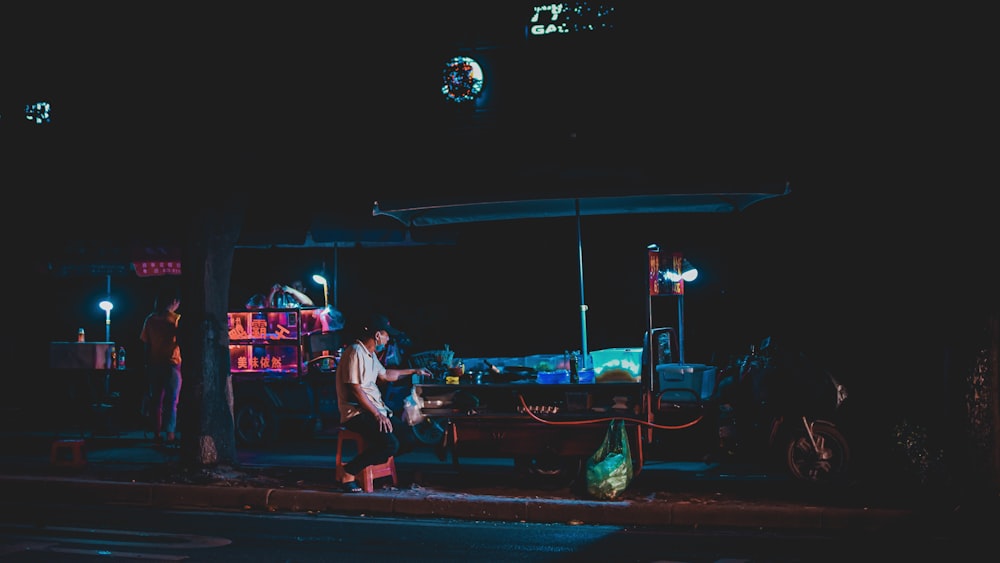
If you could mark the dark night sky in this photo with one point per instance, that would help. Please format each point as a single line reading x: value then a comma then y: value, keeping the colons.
x: 863, y: 113
x: 305, y: 96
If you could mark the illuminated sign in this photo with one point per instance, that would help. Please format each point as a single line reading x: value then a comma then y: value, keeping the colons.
x: 150, y: 268
x: 463, y: 80
x: 563, y: 18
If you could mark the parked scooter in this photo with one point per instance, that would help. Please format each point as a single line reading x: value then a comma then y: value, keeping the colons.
x: 778, y: 406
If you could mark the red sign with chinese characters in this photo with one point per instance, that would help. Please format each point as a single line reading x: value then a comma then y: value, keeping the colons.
x: 146, y: 269
x: 677, y: 263
x: 151, y: 260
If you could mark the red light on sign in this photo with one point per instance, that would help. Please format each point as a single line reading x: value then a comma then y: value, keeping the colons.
x: 157, y: 268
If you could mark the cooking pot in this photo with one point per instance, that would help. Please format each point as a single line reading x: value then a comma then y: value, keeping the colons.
x: 508, y: 374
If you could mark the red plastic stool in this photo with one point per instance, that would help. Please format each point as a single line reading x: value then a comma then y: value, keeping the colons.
x: 71, y: 453
x: 368, y: 474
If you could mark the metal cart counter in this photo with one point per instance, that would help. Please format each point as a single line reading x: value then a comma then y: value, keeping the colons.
x: 533, y: 423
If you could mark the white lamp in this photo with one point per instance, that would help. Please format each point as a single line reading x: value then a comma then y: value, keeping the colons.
x: 326, y: 288
x: 107, y: 306
x: 688, y: 273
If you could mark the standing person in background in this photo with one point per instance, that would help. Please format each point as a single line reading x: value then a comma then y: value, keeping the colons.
x: 163, y: 363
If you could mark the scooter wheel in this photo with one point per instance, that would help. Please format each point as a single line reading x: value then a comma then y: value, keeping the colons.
x: 827, y: 462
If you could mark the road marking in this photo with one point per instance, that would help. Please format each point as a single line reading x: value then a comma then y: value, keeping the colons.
x: 107, y: 537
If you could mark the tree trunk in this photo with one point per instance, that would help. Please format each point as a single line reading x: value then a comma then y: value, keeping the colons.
x: 205, y: 413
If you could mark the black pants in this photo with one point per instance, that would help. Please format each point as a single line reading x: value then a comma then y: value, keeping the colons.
x: 379, y: 446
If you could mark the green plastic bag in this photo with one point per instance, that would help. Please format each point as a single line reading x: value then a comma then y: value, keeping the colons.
x: 609, y: 469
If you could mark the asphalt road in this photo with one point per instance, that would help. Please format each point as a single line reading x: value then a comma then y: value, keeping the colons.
x: 66, y: 532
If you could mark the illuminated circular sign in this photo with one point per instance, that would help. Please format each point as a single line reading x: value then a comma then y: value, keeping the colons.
x: 463, y: 80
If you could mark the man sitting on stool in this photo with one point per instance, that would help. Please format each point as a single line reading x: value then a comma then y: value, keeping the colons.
x: 359, y: 399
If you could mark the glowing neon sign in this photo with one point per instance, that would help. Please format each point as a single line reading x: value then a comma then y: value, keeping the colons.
x: 561, y: 18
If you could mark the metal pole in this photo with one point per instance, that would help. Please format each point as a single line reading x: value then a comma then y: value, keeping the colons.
x: 107, y: 316
x: 583, y: 302
x: 106, y: 387
x: 680, y: 328
x: 326, y: 286
x: 649, y: 374
x: 336, y: 273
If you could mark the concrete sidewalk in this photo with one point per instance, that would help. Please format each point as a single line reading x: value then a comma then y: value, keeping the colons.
x: 128, y: 469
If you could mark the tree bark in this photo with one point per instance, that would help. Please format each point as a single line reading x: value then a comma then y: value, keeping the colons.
x: 205, y: 413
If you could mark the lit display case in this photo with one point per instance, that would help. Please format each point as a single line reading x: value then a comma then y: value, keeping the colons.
x: 266, y: 342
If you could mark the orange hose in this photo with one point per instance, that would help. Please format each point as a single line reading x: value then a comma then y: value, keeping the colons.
x: 606, y: 419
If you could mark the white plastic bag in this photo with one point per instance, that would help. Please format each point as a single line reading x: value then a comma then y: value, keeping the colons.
x: 412, y: 406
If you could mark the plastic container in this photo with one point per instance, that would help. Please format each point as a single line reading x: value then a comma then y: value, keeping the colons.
x: 626, y: 359
x: 696, y: 381
x: 552, y: 377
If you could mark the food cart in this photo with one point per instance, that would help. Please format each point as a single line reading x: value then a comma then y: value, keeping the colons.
x: 532, y: 409
x: 92, y: 381
x: 528, y: 408
x: 548, y: 424
x: 282, y: 369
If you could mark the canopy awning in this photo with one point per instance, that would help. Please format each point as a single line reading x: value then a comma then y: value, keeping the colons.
x: 693, y: 201
x: 501, y: 210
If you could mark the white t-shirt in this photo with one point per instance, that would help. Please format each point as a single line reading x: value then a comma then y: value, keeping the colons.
x: 358, y: 365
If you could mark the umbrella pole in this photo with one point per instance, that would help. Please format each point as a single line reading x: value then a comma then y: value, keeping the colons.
x: 583, y: 302
x: 336, y: 274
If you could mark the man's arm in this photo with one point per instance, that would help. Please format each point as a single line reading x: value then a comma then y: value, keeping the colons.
x: 384, y: 424
x: 363, y: 401
x: 302, y: 298
x: 394, y: 374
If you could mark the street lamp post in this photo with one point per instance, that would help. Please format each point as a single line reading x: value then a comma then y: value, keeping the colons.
x: 668, y: 279
x: 679, y: 272
x: 326, y: 288
x: 107, y: 305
